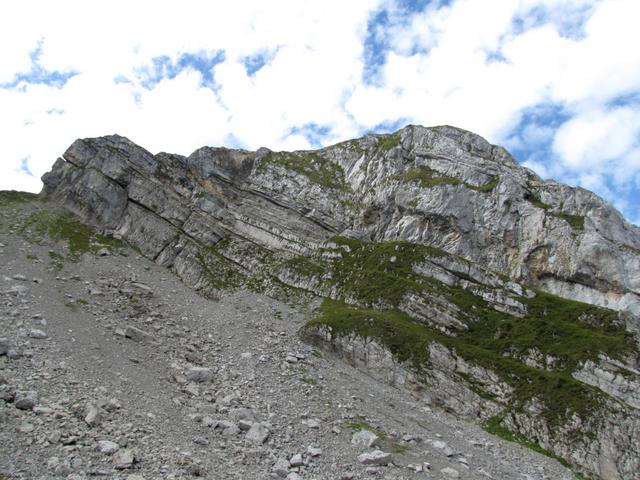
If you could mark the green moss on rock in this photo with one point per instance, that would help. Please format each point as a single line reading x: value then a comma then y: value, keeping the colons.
x: 64, y: 226
x: 312, y: 165
x: 9, y: 197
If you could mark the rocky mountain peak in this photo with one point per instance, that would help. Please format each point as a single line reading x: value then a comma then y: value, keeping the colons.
x: 434, y: 254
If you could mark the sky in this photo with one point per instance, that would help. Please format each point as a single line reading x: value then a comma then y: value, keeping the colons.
x: 557, y: 82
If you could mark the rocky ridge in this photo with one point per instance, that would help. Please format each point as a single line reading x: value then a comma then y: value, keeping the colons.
x: 433, y: 250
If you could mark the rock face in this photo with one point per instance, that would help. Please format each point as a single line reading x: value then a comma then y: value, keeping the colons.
x: 428, y: 233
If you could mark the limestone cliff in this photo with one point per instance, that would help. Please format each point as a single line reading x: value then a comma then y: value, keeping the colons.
x: 445, y: 266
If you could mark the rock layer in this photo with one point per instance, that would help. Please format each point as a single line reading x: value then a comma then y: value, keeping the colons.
x: 440, y: 213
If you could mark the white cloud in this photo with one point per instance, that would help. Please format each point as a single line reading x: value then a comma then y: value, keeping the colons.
x: 596, y: 138
x: 465, y: 64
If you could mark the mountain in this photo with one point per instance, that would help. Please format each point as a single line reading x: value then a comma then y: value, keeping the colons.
x: 443, y: 267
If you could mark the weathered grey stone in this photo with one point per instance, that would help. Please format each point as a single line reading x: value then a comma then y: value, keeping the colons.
x: 123, y: 459
x: 281, y: 467
x: 365, y: 438
x: 38, y: 334
x: 449, y: 472
x: 314, y: 451
x: 296, y: 460
x: 107, y: 447
x: 136, y: 334
x: 258, y: 433
x: 92, y: 415
x: 377, y: 457
x: 199, y: 374
x: 26, y: 400
x: 4, y: 346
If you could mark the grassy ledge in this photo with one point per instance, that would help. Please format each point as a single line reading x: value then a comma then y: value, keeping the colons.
x: 372, y: 274
x: 64, y: 226
x: 11, y: 197
x: 316, y: 168
x: 428, y: 178
x: 388, y: 142
x: 565, y: 332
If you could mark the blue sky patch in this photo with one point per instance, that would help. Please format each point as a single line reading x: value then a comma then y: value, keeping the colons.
x: 532, y: 137
x: 315, y: 134
x: 24, y: 167
x: 166, y: 67
x: 253, y: 63
x: 37, y: 74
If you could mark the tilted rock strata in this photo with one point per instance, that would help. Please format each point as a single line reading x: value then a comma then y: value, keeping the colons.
x: 463, y: 216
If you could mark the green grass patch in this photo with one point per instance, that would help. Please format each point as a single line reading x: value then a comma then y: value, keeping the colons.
x: 568, y: 331
x: 575, y: 221
x: 220, y: 273
x: 312, y: 165
x: 426, y: 177
x: 378, y: 274
x: 535, y: 201
x: 486, y: 187
x: 494, y: 426
x: 388, y: 142
x: 64, y: 226
x: 11, y: 197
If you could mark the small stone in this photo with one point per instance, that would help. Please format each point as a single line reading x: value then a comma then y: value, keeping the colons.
x: 53, y: 462
x: 313, y: 423
x: 244, y: 414
x: 135, y: 476
x: 446, y: 449
x: 281, y: 467
x: 103, y: 252
x: 26, y: 427
x: 365, y: 438
x: 257, y: 434
x: 136, y: 334
x: 377, y: 457
x: 37, y: 334
x: 200, y: 440
x: 196, y: 470
x: 123, y: 459
x: 294, y: 476
x: 26, y: 400
x: 450, y: 472
x: 107, y: 447
x: 231, y: 399
x: 192, y: 389
x: 208, y: 421
x: 296, y: 460
x: 314, y: 452
x: 245, y: 425
x: 229, y: 429
x: 199, y: 374
x: 112, y: 405
x: 5, y: 346
x: 19, y: 277
x: 92, y: 415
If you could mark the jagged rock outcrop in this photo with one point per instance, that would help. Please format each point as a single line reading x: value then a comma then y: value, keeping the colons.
x: 429, y: 228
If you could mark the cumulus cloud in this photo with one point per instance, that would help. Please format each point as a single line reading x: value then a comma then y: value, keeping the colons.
x: 557, y: 81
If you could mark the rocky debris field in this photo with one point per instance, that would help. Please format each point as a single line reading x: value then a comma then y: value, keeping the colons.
x: 111, y: 368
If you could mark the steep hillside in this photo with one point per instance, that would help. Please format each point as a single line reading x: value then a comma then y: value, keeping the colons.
x: 445, y: 267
